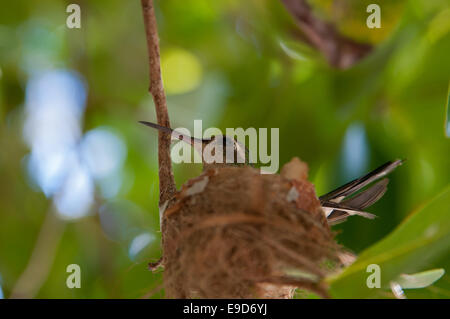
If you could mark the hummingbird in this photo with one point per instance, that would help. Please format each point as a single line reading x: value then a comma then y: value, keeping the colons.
x: 212, y: 148
x: 347, y: 200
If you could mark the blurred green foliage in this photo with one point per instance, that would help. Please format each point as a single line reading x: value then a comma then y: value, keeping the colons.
x: 231, y: 64
x: 420, y: 239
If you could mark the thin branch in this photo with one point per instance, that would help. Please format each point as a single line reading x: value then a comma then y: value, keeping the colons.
x: 167, y: 186
x: 339, y: 50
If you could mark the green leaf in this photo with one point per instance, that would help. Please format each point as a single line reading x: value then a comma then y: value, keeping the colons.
x: 420, y: 280
x: 421, y: 238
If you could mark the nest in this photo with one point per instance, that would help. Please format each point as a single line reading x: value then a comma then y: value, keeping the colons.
x: 235, y: 233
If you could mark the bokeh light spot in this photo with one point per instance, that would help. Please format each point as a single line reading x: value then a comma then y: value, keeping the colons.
x: 181, y: 71
x: 103, y: 151
x: 355, y: 151
x: 1, y: 291
x: 139, y: 243
x: 447, y: 115
x: 77, y: 194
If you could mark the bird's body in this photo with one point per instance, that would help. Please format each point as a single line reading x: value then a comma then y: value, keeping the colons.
x: 222, y: 150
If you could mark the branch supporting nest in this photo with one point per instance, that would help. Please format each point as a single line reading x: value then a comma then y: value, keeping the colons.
x: 340, y: 51
x: 167, y: 186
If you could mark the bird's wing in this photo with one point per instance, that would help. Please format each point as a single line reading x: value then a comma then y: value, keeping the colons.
x: 337, y: 217
x: 352, y: 187
x: 357, y: 203
x: 369, y: 196
x: 342, y: 202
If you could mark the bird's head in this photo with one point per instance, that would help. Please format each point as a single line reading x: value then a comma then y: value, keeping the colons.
x: 217, y: 151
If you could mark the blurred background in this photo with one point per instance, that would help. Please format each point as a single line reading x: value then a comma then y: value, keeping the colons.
x: 79, y: 175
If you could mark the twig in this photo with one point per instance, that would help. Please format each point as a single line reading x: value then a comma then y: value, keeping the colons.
x: 339, y: 50
x: 167, y: 186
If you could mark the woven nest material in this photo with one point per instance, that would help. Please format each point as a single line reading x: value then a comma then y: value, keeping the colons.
x: 235, y: 233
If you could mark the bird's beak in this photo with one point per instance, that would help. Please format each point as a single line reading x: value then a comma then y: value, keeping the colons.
x: 176, y: 135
